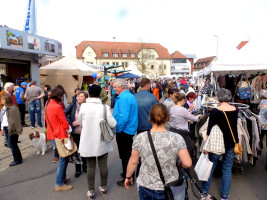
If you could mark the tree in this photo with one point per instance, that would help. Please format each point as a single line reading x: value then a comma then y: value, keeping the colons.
x: 145, y: 57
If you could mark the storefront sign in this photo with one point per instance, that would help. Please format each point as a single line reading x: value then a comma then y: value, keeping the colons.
x: 14, y: 39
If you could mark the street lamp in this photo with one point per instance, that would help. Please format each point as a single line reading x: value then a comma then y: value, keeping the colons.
x: 217, y: 45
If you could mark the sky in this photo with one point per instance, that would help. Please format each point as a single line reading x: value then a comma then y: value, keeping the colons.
x: 189, y: 26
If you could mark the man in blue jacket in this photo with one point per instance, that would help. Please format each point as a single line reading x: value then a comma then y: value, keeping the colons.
x: 21, y: 102
x: 126, y: 114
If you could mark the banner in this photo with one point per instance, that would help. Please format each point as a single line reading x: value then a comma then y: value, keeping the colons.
x: 30, y: 24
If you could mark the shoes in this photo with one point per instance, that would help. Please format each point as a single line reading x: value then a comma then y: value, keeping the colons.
x: 18, y: 141
x: 84, y: 168
x: 122, y: 175
x: 63, y: 188
x: 32, y: 127
x: 103, y: 190
x: 55, y: 159
x: 40, y: 126
x: 67, y: 179
x: 77, y: 174
x: 121, y: 183
x: 91, y: 194
x: 14, y: 163
x: 6, y: 145
x: 25, y: 125
x: 205, y: 196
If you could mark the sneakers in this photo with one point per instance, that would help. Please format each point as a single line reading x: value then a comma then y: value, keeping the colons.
x: 91, y: 194
x: 32, y: 127
x: 206, y: 196
x: 63, y: 188
x: 55, y: 160
x: 103, y: 190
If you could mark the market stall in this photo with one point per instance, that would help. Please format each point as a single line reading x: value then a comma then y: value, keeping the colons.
x: 68, y: 72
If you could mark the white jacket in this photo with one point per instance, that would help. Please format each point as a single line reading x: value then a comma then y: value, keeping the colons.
x: 90, y: 115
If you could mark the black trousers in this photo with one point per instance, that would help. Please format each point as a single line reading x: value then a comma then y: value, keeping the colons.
x: 22, y: 113
x: 76, y: 139
x: 124, y: 142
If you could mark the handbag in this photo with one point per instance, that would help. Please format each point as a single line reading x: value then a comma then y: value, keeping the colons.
x: 203, y: 167
x: 107, y: 132
x: 238, y: 148
x: 244, y: 89
x: 66, y: 146
x: 215, y: 141
x: 173, y: 190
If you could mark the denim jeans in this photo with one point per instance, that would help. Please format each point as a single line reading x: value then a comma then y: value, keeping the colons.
x: 61, y: 171
x: 147, y: 194
x: 227, y: 163
x: 54, y: 145
x: 35, y: 107
x: 12, y: 141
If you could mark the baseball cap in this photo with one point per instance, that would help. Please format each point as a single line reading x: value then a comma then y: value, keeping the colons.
x: 23, y: 83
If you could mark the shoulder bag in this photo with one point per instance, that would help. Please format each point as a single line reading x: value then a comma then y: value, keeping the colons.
x: 244, y: 89
x: 238, y: 148
x: 107, y: 132
x: 62, y: 144
x: 174, y: 190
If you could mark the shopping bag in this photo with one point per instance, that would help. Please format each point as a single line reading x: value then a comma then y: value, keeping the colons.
x: 203, y: 167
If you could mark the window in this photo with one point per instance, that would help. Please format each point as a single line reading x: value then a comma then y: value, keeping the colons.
x: 115, y: 55
x: 150, y: 56
x: 152, y: 66
x: 124, y: 64
x: 160, y: 66
x: 88, y: 53
x: 115, y: 63
x: 179, y: 60
x: 165, y: 66
x: 133, y: 55
x: 124, y: 55
x: 105, y: 54
x: 173, y: 69
x: 106, y: 63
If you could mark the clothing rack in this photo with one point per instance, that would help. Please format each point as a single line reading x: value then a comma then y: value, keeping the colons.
x: 240, y: 106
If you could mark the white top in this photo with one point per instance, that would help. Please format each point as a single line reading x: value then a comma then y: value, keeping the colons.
x: 90, y: 115
x: 4, y: 122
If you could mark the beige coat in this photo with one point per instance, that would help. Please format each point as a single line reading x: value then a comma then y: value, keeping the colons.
x: 14, y: 122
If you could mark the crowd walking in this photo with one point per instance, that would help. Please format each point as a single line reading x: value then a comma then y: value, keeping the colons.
x: 153, y: 139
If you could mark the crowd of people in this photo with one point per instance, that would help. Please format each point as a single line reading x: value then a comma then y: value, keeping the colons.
x: 136, y: 111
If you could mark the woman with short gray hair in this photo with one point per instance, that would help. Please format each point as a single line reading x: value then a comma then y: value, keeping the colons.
x: 217, y: 117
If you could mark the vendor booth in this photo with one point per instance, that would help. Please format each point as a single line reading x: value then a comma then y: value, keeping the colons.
x: 68, y: 72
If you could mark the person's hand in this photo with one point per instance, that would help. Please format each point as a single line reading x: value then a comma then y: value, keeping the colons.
x: 206, y: 152
x: 127, y: 182
x: 199, y: 116
x: 2, y: 132
x: 75, y: 123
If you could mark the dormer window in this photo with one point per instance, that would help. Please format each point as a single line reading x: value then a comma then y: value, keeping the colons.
x: 105, y: 55
x: 133, y: 55
x: 115, y: 55
x: 124, y: 55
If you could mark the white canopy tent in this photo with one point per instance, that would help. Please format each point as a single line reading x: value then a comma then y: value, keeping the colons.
x: 134, y: 69
x: 67, y: 72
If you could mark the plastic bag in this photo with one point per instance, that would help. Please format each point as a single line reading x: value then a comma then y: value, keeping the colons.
x: 203, y: 167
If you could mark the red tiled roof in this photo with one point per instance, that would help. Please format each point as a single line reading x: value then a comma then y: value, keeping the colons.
x: 177, y: 54
x: 203, y: 62
x: 131, y: 47
x: 241, y: 45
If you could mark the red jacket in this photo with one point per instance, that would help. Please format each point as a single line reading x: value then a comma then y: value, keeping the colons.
x: 57, y: 119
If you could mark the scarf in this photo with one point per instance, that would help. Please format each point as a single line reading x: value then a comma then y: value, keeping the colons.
x: 3, y: 111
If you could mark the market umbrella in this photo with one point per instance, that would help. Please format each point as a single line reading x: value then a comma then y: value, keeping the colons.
x: 128, y: 75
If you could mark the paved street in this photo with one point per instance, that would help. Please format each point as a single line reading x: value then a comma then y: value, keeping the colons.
x: 35, y: 178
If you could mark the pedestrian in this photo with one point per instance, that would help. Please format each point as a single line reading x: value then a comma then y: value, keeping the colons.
x: 20, y: 92
x: 46, y: 89
x: 145, y: 100
x: 72, y: 114
x: 126, y: 114
x: 113, y: 94
x: 182, y: 89
x: 76, y: 91
x: 65, y: 97
x: 33, y: 95
x: 179, y: 119
x: 169, y: 101
x: 11, y: 127
x: 155, y: 91
x: 92, y: 146
x: 190, y: 98
x: 9, y: 89
x: 103, y: 94
x: 58, y: 126
x: 217, y: 117
x: 149, y: 181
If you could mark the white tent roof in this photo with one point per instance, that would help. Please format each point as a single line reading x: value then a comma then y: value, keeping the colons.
x: 134, y: 70
x: 68, y: 65
x: 252, y: 58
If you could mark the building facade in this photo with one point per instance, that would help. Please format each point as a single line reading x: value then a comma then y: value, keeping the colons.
x: 150, y: 58
x: 180, y: 65
x: 202, y: 63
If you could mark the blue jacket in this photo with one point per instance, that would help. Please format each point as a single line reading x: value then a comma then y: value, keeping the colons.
x: 70, y: 113
x: 126, y: 114
x: 18, y: 92
x: 145, y: 100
